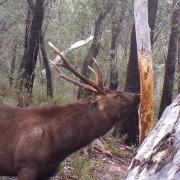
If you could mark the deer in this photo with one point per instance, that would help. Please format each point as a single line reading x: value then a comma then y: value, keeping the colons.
x: 35, y: 140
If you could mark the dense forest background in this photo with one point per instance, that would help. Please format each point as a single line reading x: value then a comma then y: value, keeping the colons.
x: 66, y: 22
x: 107, y: 26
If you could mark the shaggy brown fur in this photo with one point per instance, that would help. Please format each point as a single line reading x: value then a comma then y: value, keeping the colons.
x: 34, y: 141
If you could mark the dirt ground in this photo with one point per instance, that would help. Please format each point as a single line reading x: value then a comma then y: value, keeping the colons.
x: 109, y: 163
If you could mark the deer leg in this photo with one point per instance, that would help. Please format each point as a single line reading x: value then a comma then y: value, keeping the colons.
x: 27, y: 173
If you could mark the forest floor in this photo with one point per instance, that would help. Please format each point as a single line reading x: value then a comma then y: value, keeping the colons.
x: 107, y: 159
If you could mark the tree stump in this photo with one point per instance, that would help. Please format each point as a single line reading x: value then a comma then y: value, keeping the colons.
x: 158, y: 157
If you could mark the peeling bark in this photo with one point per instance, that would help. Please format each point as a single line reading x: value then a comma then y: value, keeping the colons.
x: 130, y: 126
x: 146, y: 110
x: 158, y: 156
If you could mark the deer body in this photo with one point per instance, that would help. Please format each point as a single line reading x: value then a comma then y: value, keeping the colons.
x: 34, y: 141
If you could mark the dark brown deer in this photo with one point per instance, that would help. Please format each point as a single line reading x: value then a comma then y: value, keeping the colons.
x: 34, y: 141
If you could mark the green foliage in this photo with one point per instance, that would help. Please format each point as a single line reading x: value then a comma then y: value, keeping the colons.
x: 9, y: 101
x: 118, y: 153
x: 82, y: 167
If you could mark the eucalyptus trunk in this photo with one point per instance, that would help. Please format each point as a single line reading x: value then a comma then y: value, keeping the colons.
x: 29, y: 58
x: 170, y: 61
x: 130, y: 126
x: 115, y: 40
x: 47, y: 68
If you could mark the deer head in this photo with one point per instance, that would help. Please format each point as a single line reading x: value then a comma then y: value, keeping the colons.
x: 95, y: 90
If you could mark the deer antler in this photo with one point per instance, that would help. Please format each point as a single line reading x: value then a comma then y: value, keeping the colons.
x: 99, y: 78
x: 68, y: 66
x: 85, y: 86
x: 92, y: 70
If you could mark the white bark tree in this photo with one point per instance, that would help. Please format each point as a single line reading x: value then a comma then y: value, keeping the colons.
x: 158, y: 157
x: 143, y: 40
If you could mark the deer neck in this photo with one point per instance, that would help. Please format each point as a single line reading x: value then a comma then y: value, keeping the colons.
x: 85, y: 123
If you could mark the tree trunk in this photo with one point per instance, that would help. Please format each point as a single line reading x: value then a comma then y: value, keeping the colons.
x: 179, y: 58
x: 29, y: 58
x: 116, y: 29
x: 158, y: 156
x: 146, y: 110
x: 132, y: 78
x: 170, y: 61
x: 28, y: 24
x: 152, y: 12
x: 95, y: 47
x: 130, y: 126
x: 47, y: 67
x: 12, y: 68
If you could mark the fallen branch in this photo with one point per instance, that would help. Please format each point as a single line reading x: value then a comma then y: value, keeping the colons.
x: 108, y: 154
x: 100, y: 147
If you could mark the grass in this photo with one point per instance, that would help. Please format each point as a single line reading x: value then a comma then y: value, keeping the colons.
x: 79, y: 166
x: 39, y: 97
x: 82, y: 167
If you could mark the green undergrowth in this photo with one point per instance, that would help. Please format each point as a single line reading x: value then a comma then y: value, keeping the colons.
x: 8, y: 96
x: 83, y: 166
x: 96, y: 164
x: 80, y: 167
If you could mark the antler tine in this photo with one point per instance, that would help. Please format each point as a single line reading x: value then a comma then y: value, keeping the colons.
x: 99, y: 77
x: 72, y: 80
x: 68, y: 66
x: 92, y: 70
